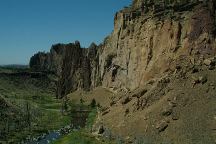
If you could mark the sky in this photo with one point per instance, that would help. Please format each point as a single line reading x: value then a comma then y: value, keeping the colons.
x: 29, y: 26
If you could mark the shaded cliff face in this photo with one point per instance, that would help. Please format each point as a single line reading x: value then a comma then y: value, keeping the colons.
x: 51, y: 61
x: 152, y: 39
x: 80, y: 69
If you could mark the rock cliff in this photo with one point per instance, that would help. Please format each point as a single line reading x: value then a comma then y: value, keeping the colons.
x: 150, y: 39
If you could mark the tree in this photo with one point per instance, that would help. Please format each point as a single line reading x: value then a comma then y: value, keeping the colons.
x: 81, y: 101
x: 64, y: 105
x: 93, y: 103
x: 28, y: 115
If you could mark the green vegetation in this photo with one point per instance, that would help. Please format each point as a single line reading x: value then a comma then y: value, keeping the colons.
x: 91, y: 118
x: 30, y: 106
x: 82, y: 136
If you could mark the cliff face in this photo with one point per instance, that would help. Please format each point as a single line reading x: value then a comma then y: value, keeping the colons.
x: 149, y: 40
x: 77, y: 68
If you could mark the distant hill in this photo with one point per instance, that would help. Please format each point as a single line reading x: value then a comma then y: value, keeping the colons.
x: 15, y: 66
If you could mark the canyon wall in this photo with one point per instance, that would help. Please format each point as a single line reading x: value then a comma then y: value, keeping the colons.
x: 150, y: 41
x: 80, y: 69
x: 150, y: 38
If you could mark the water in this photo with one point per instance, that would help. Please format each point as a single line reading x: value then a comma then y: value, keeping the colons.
x: 46, y: 139
x: 53, y: 135
x: 79, y: 121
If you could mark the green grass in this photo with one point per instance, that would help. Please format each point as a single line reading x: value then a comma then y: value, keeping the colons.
x: 91, y: 118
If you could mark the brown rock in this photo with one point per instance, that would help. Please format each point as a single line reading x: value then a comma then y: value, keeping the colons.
x: 126, y: 100
x: 167, y: 111
x: 161, y: 126
x: 139, y: 93
x: 105, y: 112
x: 203, y: 79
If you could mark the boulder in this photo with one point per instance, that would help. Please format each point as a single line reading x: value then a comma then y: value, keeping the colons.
x: 161, y: 126
x: 203, y: 79
x: 139, y: 93
x: 126, y: 100
x: 167, y: 111
x: 101, y: 130
x: 209, y: 62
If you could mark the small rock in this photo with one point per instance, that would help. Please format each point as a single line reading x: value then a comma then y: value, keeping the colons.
x: 101, y: 130
x: 145, y: 118
x: 105, y: 112
x: 162, y: 126
x: 175, y: 116
x: 211, y: 62
x: 178, y: 67
x: 127, y: 111
x: 112, y: 103
x: 211, y: 67
x: 207, y: 62
x: 195, y: 80
x: 167, y: 111
x: 211, y: 84
x: 200, y: 79
x: 195, y: 70
x: 126, y: 100
x: 203, y: 79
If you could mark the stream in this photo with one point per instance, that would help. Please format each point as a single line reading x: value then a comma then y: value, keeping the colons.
x: 78, y: 121
x: 52, y: 136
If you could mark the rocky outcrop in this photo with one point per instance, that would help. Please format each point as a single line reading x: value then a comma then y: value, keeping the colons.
x: 150, y: 39
x: 80, y: 69
x: 51, y: 62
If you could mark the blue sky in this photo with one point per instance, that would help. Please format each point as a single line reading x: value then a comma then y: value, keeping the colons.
x: 29, y: 26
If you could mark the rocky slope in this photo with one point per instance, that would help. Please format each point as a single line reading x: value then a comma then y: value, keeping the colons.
x: 177, y: 108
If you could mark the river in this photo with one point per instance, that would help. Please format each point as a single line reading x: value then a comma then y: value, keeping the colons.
x: 78, y: 121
